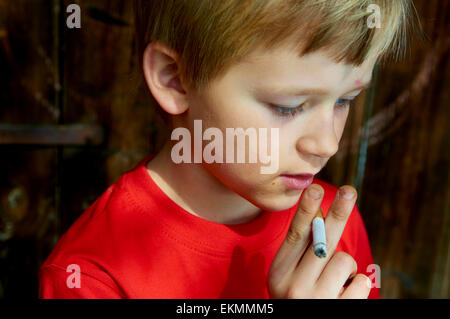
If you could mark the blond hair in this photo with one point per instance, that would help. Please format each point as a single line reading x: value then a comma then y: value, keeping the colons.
x: 212, y: 35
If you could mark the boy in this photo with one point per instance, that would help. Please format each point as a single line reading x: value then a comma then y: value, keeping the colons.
x: 182, y: 226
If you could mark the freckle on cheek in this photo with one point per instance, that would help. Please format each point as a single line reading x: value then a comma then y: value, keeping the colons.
x: 273, y: 183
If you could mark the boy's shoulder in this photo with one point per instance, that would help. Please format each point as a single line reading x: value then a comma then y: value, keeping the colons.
x: 97, y: 233
x: 110, y: 237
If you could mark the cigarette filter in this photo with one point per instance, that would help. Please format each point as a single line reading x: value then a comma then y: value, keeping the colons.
x: 319, y: 237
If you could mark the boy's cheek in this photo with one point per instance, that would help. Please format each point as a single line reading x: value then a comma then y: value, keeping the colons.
x: 265, y: 191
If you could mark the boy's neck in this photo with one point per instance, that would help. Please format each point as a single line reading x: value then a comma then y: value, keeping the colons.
x: 193, y: 188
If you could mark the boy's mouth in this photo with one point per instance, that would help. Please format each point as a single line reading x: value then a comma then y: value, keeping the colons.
x: 298, y: 181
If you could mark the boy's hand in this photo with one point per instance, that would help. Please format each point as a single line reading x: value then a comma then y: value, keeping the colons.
x: 296, y: 272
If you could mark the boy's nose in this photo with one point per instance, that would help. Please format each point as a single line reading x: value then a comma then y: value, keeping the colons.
x: 319, y: 138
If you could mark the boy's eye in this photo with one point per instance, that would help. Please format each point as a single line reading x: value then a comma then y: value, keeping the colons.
x: 293, y: 110
x: 343, y: 102
x: 287, y: 110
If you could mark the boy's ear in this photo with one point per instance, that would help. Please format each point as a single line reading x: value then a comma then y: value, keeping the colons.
x: 162, y: 74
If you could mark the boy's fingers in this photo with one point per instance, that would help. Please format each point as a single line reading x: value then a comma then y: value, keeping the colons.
x: 358, y: 289
x: 338, y: 215
x: 310, y: 267
x: 339, y: 269
x: 298, y: 235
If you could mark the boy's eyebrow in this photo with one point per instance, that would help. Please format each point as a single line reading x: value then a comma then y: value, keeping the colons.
x: 298, y: 92
x: 312, y: 91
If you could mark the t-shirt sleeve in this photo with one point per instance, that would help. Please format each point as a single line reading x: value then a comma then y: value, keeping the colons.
x: 53, y: 284
x: 357, y: 245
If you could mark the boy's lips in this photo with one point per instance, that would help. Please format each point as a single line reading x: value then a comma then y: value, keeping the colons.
x: 297, y: 181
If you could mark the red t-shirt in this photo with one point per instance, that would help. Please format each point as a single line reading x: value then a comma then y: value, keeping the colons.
x: 135, y: 242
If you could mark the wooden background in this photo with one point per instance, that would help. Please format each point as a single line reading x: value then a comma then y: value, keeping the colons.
x: 74, y: 116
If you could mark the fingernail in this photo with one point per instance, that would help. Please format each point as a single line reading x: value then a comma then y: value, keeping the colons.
x: 313, y: 193
x: 346, y: 194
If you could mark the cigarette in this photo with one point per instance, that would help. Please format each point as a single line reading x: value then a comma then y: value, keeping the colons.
x: 319, y: 237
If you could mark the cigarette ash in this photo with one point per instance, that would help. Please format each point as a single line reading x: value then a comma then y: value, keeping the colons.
x: 320, y: 252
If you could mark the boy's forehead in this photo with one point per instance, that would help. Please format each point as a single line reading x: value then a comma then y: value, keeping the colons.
x: 286, y: 68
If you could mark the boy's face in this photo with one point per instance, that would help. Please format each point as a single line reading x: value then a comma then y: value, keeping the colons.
x: 242, y: 98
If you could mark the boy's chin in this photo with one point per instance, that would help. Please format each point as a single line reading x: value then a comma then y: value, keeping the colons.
x: 276, y: 203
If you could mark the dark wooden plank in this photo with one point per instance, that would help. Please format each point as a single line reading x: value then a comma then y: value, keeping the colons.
x: 51, y: 135
x: 28, y: 218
